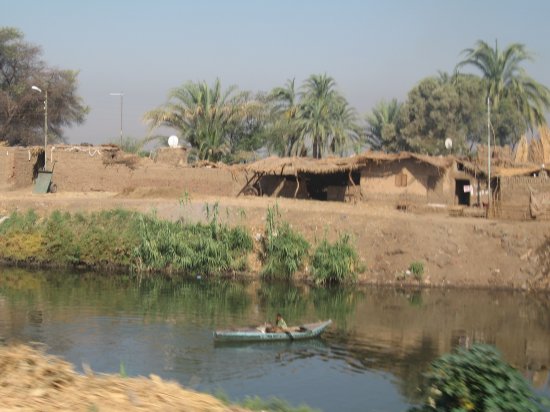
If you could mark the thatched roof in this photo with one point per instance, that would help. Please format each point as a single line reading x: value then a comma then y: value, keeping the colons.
x: 517, y: 171
x: 291, y: 166
x: 502, y: 171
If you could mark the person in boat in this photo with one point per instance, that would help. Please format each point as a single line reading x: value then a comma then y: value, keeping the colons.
x: 280, y: 322
x: 280, y: 325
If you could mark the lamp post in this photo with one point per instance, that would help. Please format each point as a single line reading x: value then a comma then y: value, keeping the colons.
x: 121, y: 94
x: 39, y: 90
x: 488, y: 155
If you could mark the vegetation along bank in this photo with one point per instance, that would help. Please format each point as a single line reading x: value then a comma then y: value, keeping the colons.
x: 143, y: 243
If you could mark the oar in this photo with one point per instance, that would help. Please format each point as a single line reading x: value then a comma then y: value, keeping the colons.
x: 289, y: 333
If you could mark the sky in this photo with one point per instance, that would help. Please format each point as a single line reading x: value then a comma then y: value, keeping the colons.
x: 373, y: 49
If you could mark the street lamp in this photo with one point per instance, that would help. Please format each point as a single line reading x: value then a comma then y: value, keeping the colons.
x: 489, y: 155
x: 121, y: 94
x: 39, y: 90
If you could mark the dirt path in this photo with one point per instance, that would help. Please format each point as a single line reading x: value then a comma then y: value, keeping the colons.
x: 456, y: 251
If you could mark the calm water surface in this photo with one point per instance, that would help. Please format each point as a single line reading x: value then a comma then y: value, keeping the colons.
x: 371, y: 359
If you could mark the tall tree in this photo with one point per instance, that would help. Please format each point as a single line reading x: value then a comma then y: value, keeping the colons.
x: 21, y: 108
x: 207, y: 117
x: 429, y: 116
x: 506, y: 79
x: 325, y: 117
x: 285, y: 131
x: 383, y: 128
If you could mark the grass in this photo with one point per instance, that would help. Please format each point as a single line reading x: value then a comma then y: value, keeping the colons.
x: 124, y: 239
x: 284, y: 251
x: 336, y: 262
x: 143, y: 243
x: 417, y: 270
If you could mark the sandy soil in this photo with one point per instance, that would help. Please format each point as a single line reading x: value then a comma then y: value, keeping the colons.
x: 33, y: 381
x: 456, y: 251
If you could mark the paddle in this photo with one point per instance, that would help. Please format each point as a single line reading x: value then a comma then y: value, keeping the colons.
x: 289, y: 333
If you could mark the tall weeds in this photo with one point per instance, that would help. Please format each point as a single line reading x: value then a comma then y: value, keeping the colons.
x: 284, y: 251
x: 335, y: 263
x: 125, y: 239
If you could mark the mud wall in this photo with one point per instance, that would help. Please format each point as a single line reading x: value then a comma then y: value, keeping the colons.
x: 79, y: 169
x: 513, y: 198
x: 406, y: 180
x: 18, y: 166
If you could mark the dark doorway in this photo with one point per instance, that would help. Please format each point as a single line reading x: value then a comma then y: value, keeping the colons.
x: 330, y: 186
x: 463, y: 191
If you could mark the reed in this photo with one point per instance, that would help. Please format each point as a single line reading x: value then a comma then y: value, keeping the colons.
x: 335, y: 262
x: 284, y: 251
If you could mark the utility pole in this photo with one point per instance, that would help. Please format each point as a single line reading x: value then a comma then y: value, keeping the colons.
x: 121, y: 94
x: 489, y: 156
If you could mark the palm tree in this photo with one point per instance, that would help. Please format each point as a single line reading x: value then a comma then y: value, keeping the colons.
x: 325, y: 117
x: 285, y: 110
x: 382, y: 131
x: 506, y: 78
x: 203, y: 115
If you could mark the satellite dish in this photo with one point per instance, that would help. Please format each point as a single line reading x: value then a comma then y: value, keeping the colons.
x: 448, y: 143
x: 173, y: 141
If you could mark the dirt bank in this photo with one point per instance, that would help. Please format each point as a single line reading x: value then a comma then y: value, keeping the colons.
x: 456, y: 251
x: 32, y: 380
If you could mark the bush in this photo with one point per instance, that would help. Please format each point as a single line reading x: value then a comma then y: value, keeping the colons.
x: 477, y: 379
x: 335, y: 263
x: 209, y: 249
x: 119, y: 238
x: 417, y: 270
x: 284, y: 251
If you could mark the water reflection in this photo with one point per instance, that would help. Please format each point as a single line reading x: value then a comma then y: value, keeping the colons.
x: 381, y: 342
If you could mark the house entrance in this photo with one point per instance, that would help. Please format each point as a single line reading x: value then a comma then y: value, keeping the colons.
x: 462, y: 191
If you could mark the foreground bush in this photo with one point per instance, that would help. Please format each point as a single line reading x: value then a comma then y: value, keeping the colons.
x: 335, y: 262
x: 477, y: 379
x: 284, y: 251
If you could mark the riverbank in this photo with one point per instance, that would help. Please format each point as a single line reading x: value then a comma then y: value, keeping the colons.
x: 455, y: 251
x: 32, y: 380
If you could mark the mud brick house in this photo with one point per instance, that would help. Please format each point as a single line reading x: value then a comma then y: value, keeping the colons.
x: 522, y: 193
x: 401, y: 178
x: 19, y: 166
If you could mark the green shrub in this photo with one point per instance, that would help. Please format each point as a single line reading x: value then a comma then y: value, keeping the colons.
x: 477, y: 379
x: 417, y: 270
x: 18, y: 222
x: 209, y: 249
x: 335, y: 262
x: 284, y: 251
x: 118, y: 238
x: 60, y: 244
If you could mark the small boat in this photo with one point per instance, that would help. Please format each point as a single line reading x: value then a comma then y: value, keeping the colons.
x: 260, y: 334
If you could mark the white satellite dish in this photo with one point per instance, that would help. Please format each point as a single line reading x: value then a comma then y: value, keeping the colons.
x: 173, y: 141
x: 448, y: 143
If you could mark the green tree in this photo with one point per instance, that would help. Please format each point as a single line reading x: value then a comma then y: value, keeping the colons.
x: 505, y: 78
x: 429, y: 116
x: 21, y: 108
x: 325, y: 117
x: 383, y: 128
x: 207, y: 117
x: 285, y: 128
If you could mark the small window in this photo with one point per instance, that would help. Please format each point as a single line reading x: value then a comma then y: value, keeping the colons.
x: 401, y: 180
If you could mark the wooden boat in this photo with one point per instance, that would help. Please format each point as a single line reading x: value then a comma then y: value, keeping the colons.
x: 259, y: 334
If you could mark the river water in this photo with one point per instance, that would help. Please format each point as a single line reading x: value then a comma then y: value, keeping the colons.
x: 371, y: 359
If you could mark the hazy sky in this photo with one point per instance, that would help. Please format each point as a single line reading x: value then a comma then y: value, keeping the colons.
x: 373, y: 49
